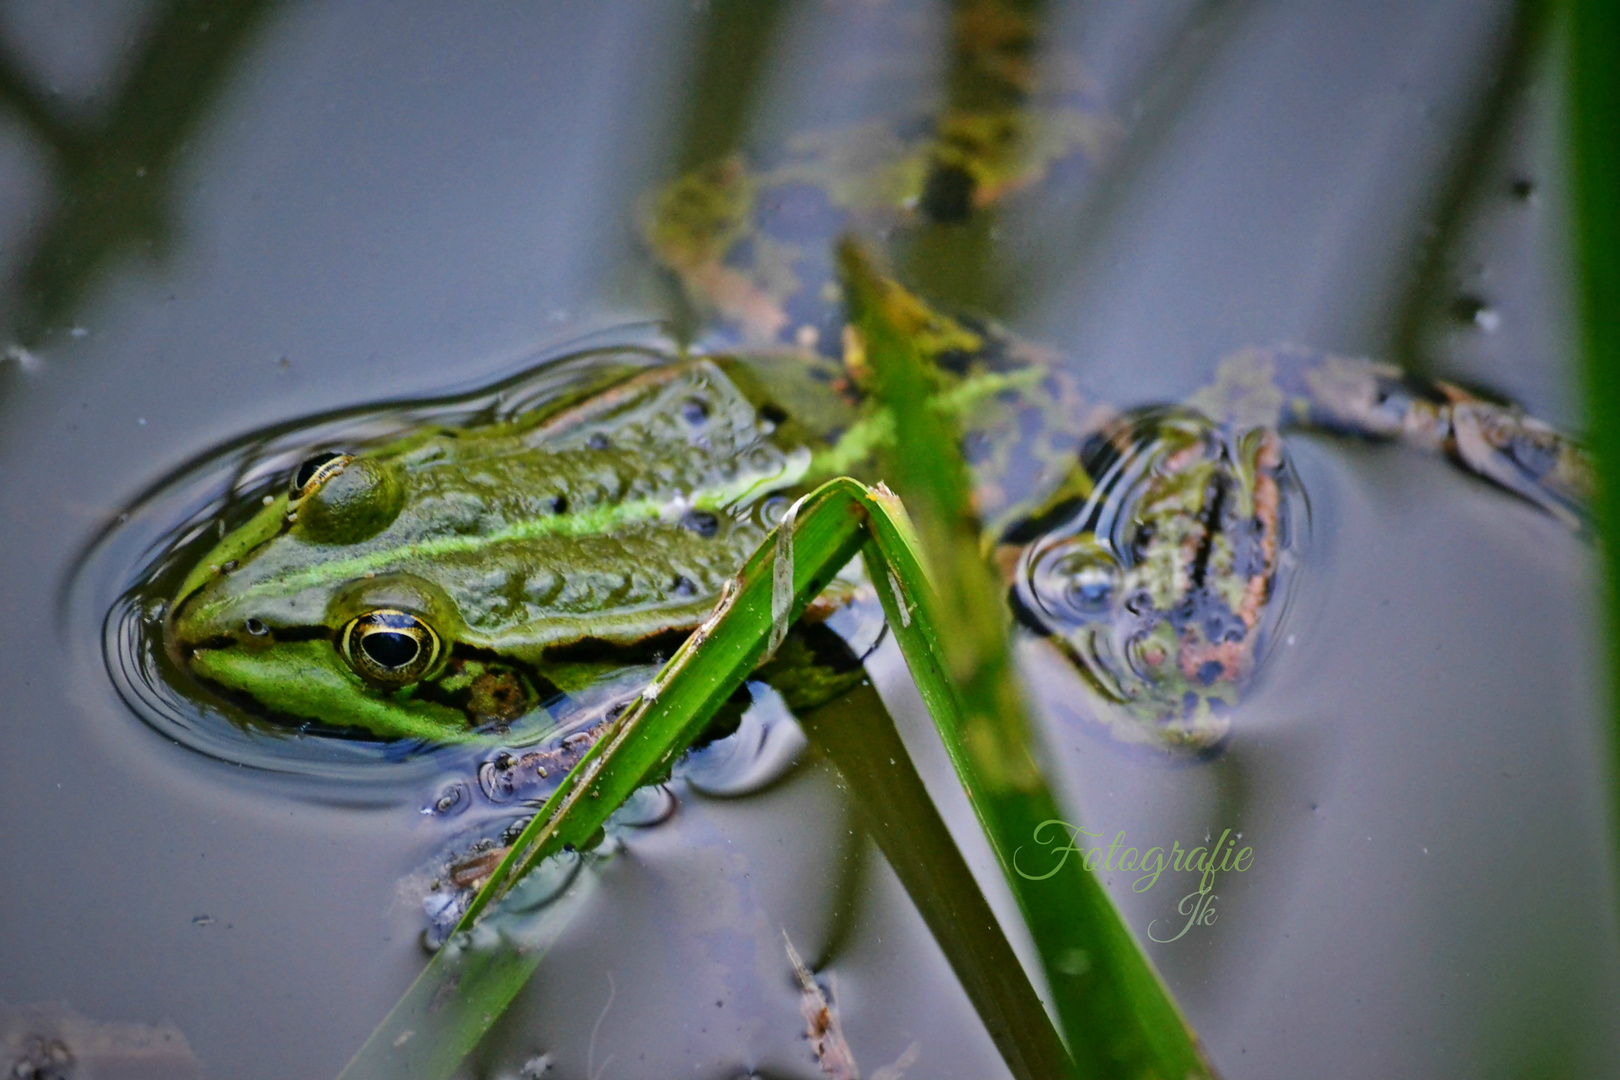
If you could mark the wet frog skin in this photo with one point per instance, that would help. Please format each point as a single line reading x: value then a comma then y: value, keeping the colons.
x: 456, y: 578
x: 1151, y: 547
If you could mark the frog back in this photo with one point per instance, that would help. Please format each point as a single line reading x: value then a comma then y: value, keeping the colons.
x: 612, y: 520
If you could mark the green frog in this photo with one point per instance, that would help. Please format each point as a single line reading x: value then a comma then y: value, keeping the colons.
x: 457, y: 581
x: 453, y: 581
x: 448, y: 584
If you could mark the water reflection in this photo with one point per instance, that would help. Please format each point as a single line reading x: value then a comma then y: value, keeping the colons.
x: 113, y: 173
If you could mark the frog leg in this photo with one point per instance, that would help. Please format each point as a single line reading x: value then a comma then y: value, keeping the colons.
x: 1290, y: 387
x: 1525, y: 456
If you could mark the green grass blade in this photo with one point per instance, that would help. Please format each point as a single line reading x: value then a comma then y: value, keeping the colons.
x: 636, y: 749
x: 1116, y: 1012
x: 1594, y: 38
x: 462, y: 991
x: 639, y: 747
x: 857, y: 735
x: 467, y: 986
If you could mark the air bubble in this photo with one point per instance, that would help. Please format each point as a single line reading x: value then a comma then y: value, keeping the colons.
x: 452, y: 800
x: 773, y: 510
x: 1475, y: 310
x: 1076, y: 580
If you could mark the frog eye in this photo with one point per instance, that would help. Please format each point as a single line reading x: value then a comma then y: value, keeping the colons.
x: 389, y: 647
x: 316, y: 470
x: 347, y: 500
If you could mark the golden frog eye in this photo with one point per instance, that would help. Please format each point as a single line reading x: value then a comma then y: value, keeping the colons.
x: 316, y: 470
x: 389, y: 647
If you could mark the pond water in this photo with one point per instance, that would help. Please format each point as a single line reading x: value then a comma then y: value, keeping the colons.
x: 292, y: 209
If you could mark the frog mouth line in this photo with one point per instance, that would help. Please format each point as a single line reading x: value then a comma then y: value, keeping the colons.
x: 538, y: 691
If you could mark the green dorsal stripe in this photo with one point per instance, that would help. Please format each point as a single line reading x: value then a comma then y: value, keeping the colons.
x: 594, y: 522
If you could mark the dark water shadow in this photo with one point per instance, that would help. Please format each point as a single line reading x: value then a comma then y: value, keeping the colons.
x: 113, y: 177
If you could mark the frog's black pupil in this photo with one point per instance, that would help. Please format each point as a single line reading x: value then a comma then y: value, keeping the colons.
x: 306, y: 471
x: 389, y: 649
x: 772, y: 413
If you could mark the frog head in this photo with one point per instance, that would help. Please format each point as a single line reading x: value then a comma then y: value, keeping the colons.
x: 1157, y: 567
x: 314, y: 611
x: 451, y: 583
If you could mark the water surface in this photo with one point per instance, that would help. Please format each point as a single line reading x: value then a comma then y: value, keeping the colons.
x: 374, y: 206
